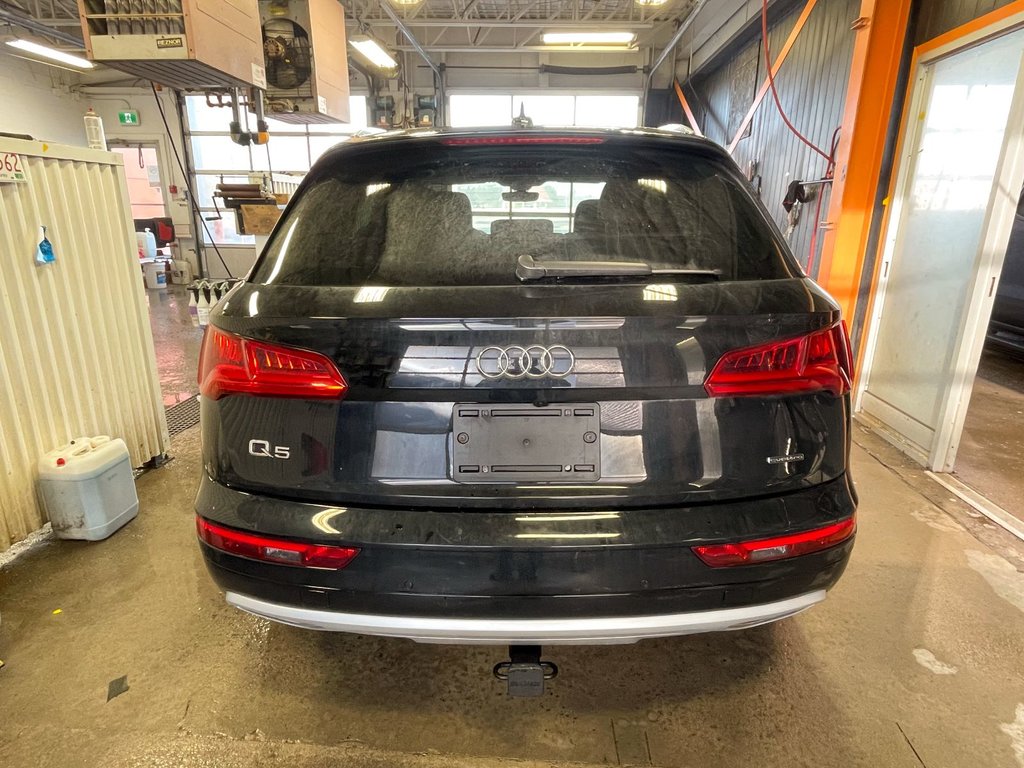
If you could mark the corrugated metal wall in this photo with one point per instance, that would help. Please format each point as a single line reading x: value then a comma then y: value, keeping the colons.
x: 812, y: 88
x: 936, y: 17
x: 76, y: 350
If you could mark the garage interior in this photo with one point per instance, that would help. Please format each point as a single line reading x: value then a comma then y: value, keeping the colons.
x: 886, y: 139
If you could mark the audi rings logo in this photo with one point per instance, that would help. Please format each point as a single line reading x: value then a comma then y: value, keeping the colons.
x: 533, y: 362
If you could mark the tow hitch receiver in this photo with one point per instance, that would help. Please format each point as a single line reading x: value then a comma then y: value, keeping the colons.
x: 524, y: 672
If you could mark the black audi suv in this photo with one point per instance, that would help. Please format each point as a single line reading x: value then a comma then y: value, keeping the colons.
x: 524, y: 387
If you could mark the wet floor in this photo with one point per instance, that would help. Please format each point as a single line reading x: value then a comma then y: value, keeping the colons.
x: 915, y: 659
x: 991, y: 455
x: 176, y: 342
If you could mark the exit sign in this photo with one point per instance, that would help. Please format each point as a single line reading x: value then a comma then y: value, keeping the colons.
x: 128, y: 117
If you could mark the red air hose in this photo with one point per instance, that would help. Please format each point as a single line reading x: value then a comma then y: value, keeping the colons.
x: 771, y: 84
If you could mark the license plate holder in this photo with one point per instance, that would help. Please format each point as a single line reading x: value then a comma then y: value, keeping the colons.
x: 526, y: 443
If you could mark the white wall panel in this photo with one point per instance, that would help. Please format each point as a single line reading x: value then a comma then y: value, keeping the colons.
x: 36, y: 102
x: 76, y: 351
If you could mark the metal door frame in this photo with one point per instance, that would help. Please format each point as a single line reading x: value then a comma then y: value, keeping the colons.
x: 941, y: 454
x: 155, y: 142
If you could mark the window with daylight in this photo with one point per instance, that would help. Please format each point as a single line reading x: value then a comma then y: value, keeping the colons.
x: 555, y: 201
x: 292, y: 149
x: 606, y: 110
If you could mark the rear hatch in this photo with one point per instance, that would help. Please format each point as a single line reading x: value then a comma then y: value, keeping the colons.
x: 525, y: 321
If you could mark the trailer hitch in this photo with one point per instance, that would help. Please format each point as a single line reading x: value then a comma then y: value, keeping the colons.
x: 524, y: 672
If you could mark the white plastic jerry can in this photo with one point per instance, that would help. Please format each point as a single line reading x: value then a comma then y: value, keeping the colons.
x: 146, y: 243
x: 87, y: 488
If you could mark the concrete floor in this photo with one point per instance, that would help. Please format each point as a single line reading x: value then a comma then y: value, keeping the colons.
x: 914, y: 660
x: 177, y: 343
x: 991, y: 455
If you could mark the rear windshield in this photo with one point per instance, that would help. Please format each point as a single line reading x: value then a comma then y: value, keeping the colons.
x: 428, y: 214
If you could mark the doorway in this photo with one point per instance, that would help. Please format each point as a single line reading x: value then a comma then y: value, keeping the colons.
x: 961, y: 164
x: 145, y: 180
x: 175, y: 332
x: 990, y: 461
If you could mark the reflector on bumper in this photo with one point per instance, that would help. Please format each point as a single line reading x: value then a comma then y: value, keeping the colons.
x: 280, y: 551
x: 777, y: 548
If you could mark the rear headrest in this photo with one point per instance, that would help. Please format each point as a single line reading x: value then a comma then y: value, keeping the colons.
x: 423, y: 222
x: 430, y: 208
x: 588, y: 218
x: 517, y: 227
x: 639, y: 222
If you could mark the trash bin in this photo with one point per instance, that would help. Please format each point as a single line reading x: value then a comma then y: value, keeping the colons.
x: 87, y: 488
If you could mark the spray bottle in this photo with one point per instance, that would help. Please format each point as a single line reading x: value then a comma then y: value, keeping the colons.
x: 203, y: 308
x: 193, y: 306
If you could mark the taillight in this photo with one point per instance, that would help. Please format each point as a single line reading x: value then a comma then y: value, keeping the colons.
x: 817, y: 361
x: 778, y: 548
x: 280, y: 551
x: 495, y: 140
x: 230, y: 364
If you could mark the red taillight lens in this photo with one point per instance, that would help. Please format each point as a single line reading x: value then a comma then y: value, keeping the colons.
x: 818, y: 361
x: 268, y: 550
x: 778, y: 548
x: 493, y: 140
x: 230, y: 365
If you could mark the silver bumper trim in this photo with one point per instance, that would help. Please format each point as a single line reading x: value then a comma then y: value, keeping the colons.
x: 599, y: 631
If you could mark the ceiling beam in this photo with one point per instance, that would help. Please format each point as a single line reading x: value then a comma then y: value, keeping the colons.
x: 511, y: 48
x: 567, y: 26
x: 16, y: 16
x: 61, y: 23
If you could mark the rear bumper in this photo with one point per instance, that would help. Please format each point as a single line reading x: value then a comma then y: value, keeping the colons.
x: 1006, y: 336
x: 596, y: 631
x: 537, y: 577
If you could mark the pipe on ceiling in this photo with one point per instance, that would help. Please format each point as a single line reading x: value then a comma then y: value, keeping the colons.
x: 438, y: 73
x: 16, y: 16
x: 669, y: 47
x: 552, y: 69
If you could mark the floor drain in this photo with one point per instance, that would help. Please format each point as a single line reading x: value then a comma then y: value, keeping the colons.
x: 183, y: 415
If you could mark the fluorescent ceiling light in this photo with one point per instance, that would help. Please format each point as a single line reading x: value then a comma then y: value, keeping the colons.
x: 651, y: 2
x: 53, y: 54
x: 658, y: 185
x: 406, y: 2
x: 661, y: 292
x: 370, y: 293
x: 598, y: 38
x: 374, y: 52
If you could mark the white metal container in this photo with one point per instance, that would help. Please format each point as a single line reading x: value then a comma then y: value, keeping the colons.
x: 87, y: 488
x: 76, y: 351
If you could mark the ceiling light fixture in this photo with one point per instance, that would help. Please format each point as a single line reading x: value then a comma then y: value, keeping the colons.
x: 405, y: 2
x: 46, y: 52
x: 588, y: 38
x: 374, y: 52
x: 650, y: 2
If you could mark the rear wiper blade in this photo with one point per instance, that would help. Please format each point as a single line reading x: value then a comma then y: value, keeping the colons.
x: 715, y: 273
x: 528, y: 268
